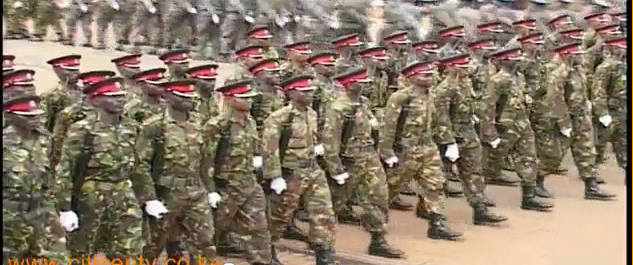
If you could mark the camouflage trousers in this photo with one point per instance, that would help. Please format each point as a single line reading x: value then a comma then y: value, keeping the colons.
x: 548, y: 143
x: 147, y: 25
x: 110, y: 219
x: 469, y: 165
x: 367, y: 177
x: 31, y: 234
x: 45, y: 14
x: 582, y: 145
x: 308, y: 187
x: 119, y: 19
x: 242, y: 213
x: 189, y: 216
x: 16, y: 17
x: 516, y: 142
x: 73, y: 16
x: 179, y: 24
x: 618, y: 137
x: 424, y: 165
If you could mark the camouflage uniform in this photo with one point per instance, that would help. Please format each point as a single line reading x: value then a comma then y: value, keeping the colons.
x: 31, y: 227
x: 141, y: 110
x: 182, y: 183
x: 56, y: 100
x: 47, y: 13
x: 179, y: 23
x: 148, y: 25
x: 16, y: 19
x: 243, y: 206
x: 71, y: 114
x: 119, y: 18
x: 75, y: 15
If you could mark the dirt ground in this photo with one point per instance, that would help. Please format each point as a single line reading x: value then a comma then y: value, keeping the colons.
x: 578, y: 232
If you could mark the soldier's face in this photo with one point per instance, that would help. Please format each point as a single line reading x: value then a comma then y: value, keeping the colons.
x: 179, y: 103
x: 28, y: 122
x: 127, y: 72
x: 240, y: 104
x: 298, y: 57
x: 205, y: 86
x: 110, y: 104
x: 152, y: 90
x: 304, y: 98
x: 270, y: 77
x: 325, y: 70
x: 423, y: 80
x: 69, y: 76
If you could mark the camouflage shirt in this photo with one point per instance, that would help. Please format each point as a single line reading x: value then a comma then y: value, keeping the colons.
x: 609, y: 90
x: 73, y: 113
x: 56, y: 100
x: 456, y: 104
x: 265, y: 104
x: 140, y: 110
x: 205, y: 109
x: 290, y: 69
x: 504, y: 105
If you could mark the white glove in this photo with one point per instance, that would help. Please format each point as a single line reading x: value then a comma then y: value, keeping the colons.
x: 278, y: 185
x: 566, y: 132
x: 392, y: 161
x: 280, y: 21
x: 528, y: 99
x: 155, y: 208
x: 296, y: 18
x: 83, y: 8
x: 192, y: 10
x: 374, y: 123
x: 249, y: 19
x: 605, y: 120
x: 215, y: 18
x: 213, y: 199
x: 334, y: 24
x: 475, y: 119
x: 495, y: 143
x: 340, y: 178
x: 257, y: 162
x: 18, y: 4
x: 319, y: 150
x: 152, y: 10
x: 452, y: 152
x: 115, y: 6
x: 69, y: 220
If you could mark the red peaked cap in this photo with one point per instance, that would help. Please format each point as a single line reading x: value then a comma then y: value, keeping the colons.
x: 69, y: 62
x: 204, y: 72
x: 109, y: 87
x: 300, y: 47
x: 621, y: 43
x: 175, y: 56
x: 507, y: 54
x: 398, y: 38
x: 261, y: 32
x: 351, y: 77
x: 571, y: 48
x: 456, y: 31
x: 457, y: 60
x: 325, y: 58
x: 129, y: 61
x: 254, y: 51
x: 376, y: 52
x: 92, y: 77
x: 184, y: 88
x: 573, y: 33
x: 426, y: 46
x: 351, y: 40
x: 153, y: 74
x: 22, y: 104
x: 237, y: 89
x: 613, y: 29
x: 559, y: 20
x: 595, y: 16
x: 529, y: 24
x: 417, y: 68
x: 496, y: 27
x: 8, y: 61
x: 534, y: 38
x: 485, y: 44
x: 264, y: 65
x: 298, y: 83
x: 18, y: 77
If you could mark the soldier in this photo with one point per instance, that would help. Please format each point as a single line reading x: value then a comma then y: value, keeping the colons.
x: 8, y: 63
x: 505, y: 126
x: 79, y: 12
x: 397, y: 43
x: 75, y: 112
x: 147, y: 23
x: 105, y: 199
x: 269, y: 99
x: 148, y: 103
x: 65, y: 93
x: 46, y: 13
x: 261, y: 36
x: 207, y: 27
x: 354, y: 163
x: 291, y: 145
x: 16, y: 13
x: 347, y: 46
x: 375, y: 60
x: 117, y: 13
x: 568, y: 81
x: 169, y: 147
x: 16, y: 84
x: 206, y: 106
x: 425, y: 50
x: 522, y: 28
x: 453, y: 37
x: 238, y: 15
x: 30, y: 221
x: 128, y: 65
x: 231, y: 142
x: 297, y: 55
x: 177, y: 62
x: 607, y: 93
x: 179, y: 23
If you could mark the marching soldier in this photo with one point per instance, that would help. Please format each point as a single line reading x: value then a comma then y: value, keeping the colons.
x: 375, y: 59
x: 128, y: 65
x: 169, y: 148
x: 147, y: 23
x: 149, y: 103
x: 245, y: 59
x: 269, y: 99
x: 75, y: 112
x: 505, y: 126
x: 46, y: 13
x: 117, y: 13
x: 105, y: 199
x: 30, y: 188
x: 8, y: 63
x: 425, y: 50
x: 453, y: 36
x: 230, y: 142
x: 79, y: 12
x: 353, y: 162
x: 206, y: 106
x: 571, y: 90
x: 16, y: 84
x: 65, y: 93
x: 347, y: 46
x: 297, y: 55
x: 179, y: 23
x: 261, y: 36
x: 410, y: 138
x: 291, y: 145
x: 207, y: 27
x: 397, y: 44
x: 177, y: 62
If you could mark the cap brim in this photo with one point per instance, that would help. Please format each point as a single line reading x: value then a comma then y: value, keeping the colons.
x: 366, y: 80
x: 304, y: 52
x: 134, y: 66
x: 184, y: 95
x: 29, y: 113
x: 8, y: 68
x: 430, y: 50
x: 310, y: 88
x: 205, y: 77
x: 265, y: 37
x: 25, y: 83
x: 356, y: 44
x: 380, y: 58
x: 180, y: 61
x: 401, y: 42
x: 488, y: 48
x: 113, y: 94
x: 67, y: 67
x: 249, y: 94
x: 153, y: 82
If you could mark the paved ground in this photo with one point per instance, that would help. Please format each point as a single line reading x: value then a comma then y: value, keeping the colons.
x: 578, y: 232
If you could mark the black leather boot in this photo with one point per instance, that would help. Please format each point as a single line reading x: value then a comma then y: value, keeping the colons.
x: 323, y: 256
x: 295, y: 233
x: 348, y: 216
x: 502, y: 180
x: 593, y: 192
x: 439, y: 230
x: 541, y: 190
x: 481, y: 216
x: 379, y: 247
x: 399, y: 204
x: 530, y: 202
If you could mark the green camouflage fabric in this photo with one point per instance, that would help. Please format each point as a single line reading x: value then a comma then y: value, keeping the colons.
x: 307, y: 184
x: 240, y: 72
x: 418, y: 154
x: 289, y: 69
x: 325, y: 93
x: 30, y: 222
x: 377, y: 93
x: 506, y: 118
x: 109, y: 210
x: 15, y: 17
x: 71, y: 114
x: 56, y: 100
x: 46, y: 13
x: 271, y: 53
x: 184, y: 180
x: 362, y: 163
x: 243, y: 205
x: 609, y: 95
x: 456, y: 103
x: 140, y: 110
x: 271, y: 99
x: 206, y: 108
